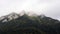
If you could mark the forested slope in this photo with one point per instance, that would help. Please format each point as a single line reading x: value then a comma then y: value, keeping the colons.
x: 15, y: 24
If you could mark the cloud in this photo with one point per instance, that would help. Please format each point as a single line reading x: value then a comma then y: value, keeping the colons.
x: 53, y: 10
x: 50, y: 8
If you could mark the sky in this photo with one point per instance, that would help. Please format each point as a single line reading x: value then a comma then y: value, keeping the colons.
x: 50, y: 8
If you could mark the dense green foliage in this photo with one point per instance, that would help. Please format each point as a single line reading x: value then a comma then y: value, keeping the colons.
x: 45, y: 25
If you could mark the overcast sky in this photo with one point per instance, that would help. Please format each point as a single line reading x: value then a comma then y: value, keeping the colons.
x: 50, y: 8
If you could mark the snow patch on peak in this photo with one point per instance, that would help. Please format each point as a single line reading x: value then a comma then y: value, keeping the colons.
x: 9, y: 17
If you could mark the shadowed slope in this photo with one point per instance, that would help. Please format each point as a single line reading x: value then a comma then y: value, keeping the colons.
x: 29, y: 24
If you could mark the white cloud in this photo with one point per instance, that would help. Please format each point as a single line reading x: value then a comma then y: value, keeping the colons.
x: 48, y: 7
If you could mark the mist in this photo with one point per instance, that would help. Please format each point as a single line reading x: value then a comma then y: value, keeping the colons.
x: 50, y: 8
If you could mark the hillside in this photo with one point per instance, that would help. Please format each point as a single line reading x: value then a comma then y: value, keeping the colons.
x: 16, y: 24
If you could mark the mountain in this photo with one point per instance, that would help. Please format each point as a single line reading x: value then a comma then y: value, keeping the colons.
x: 9, y: 17
x: 15, y: 24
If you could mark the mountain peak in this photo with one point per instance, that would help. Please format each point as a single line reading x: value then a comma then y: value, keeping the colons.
x: 42, y: 16
x: 9, y: 17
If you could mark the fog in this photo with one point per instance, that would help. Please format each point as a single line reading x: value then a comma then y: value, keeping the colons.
x: 50, y: 8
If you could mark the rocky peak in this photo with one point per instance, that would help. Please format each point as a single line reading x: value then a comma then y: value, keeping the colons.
x: 9, y: 17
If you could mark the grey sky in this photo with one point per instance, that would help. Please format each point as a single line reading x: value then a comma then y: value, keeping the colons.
x: 50, y: 8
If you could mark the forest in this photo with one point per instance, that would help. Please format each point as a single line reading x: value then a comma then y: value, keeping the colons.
x: 16, y: 24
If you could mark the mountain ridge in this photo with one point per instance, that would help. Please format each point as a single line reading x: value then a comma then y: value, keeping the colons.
x: 16, y: 22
